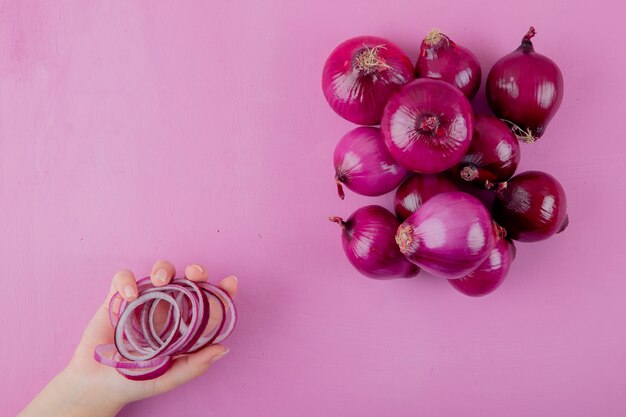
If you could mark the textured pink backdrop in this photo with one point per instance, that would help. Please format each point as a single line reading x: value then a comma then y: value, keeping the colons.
x: 197, y: 131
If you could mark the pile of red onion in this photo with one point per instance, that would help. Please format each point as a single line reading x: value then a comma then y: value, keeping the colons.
x: 163, y: 322
x: 458, y: 205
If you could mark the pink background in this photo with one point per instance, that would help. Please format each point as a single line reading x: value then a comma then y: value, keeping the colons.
x: 197, y: 131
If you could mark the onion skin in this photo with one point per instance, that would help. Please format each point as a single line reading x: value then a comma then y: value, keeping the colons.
x: 442, y: 59
x: 361, y: 74
x: 368, y: 242
x: 449, y: 236
x: 417, y: 189
x: 428, y: 126
x: 364, y: 165
x: 493, y: 154
x: 526, y: 89
x: 532, y: 206
x: 490, y: 274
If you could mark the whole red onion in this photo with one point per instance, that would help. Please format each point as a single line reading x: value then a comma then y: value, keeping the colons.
x: 364, y: 165
x: 532, y: 206
x: 448, y: 236
x: 525, y: 88
x: 361, y: 74
x: 490, y: 274
x: 493, y: 154
x: 428, y: 126
x: 442, y: 59
x: 416, y: 190
x: 368, y: 241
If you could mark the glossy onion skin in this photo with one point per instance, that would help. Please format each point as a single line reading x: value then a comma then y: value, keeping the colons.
x: 490, y: 274
x: 368, y: 242
x: 364, y: 165
x: 428, y: 126
x: 493, y: 154
x: 449, y: 236
x: 358, y: 95
x: 532, y: 207
x: 448, y: 61
x: 525, y: 88
x: 417, y: 189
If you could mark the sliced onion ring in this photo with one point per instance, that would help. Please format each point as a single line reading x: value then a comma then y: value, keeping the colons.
x: 144, y: 349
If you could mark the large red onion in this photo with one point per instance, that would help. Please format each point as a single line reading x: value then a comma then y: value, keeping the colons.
x: 449, y: 236
x: 532, y: 206
x: 490, y: 274
x: 368, y: 241
x: 442, y: 59
x: 428, y: 126
x: 525, y: 88
x: 416, y: 190
x: 493, y: 154
x: 364, y: 165
x: 361, y: 74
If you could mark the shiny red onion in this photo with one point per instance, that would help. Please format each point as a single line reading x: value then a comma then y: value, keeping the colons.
x: 364, y: 165
x: 525, y: 89
x: 449, y: 236
x: 531, y: 206
x: 361, y: 74
x: 417, y: 189
x: 490, y: 274
x: 368, y: 241
x: 442, y: 59
x: 493, y: 154
x: 428, y: 126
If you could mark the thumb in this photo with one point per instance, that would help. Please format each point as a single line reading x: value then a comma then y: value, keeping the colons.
x: 189, y: 367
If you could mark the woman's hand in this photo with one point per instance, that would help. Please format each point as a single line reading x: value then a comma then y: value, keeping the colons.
x: 87, y: 388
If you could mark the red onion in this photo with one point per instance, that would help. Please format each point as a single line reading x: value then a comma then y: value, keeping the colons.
x: 532, y: 206
x: 490, y: 274
x: 417, y: 189
x: 143, y: 349
x: 493, y: 154
x: 449, y: 236
x: 364, y: 165
x: 361, y: 74
x: 442, y: 59
x: 428, y: 126
x: 525, y: 88
x: 368, y: 241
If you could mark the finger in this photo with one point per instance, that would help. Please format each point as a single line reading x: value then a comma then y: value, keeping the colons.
x: 189, y: 367
x: 162, y: 273
x: 196, y: 273
x: 124, y: 282
x: 229, y: 284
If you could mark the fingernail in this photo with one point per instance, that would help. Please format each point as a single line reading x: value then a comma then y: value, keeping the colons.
x: 129, y: 291
x: 235, y: 278
x: 160, y: 275
x: 220, y: 356
x: 199, y: 268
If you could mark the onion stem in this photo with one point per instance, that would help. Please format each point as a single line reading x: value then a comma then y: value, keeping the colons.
x: 368, y: 60
x: 525, y: 136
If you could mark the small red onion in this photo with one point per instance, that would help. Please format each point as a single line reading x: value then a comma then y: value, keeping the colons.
x: 442, y: 59
x: 417, y: 189
x: 364, y: 165
x: 525, y: 89
x: 532, y: 206
x: 361, y: 74
x: 428, y: 126
x: 368, y: 241
x: 493, y: 154
x: 449, y: 236
x: 490, y: 274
